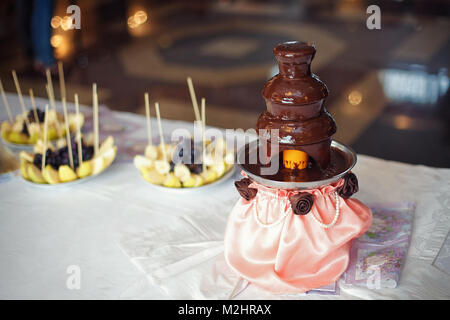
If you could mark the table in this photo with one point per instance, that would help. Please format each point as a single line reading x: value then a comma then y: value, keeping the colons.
x: 127, y: 240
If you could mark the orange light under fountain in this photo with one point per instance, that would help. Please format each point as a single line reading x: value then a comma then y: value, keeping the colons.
x: 295, y: 159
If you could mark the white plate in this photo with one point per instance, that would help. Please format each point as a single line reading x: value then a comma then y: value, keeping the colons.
x: 201, y: 188
x: 17, y: 146
x: 63, y: 184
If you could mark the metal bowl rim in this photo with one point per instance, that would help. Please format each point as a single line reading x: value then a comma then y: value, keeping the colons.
x: 299, y: 185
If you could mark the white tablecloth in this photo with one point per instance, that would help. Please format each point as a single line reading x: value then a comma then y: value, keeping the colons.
x: 130, y: 240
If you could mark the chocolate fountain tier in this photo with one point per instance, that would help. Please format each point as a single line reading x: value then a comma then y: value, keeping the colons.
x: 295, y: 106
x: 343, y: 159
x: 298, y: 132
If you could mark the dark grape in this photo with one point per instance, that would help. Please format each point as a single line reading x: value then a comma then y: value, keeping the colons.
x: 37, y: 160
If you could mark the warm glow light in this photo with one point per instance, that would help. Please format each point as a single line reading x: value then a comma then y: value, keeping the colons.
x: 55, y: 22
x: 140, y: 17
x: 56, y: 40
x: 131, y: 23
x: 66, y: 23
x: 137, y: 19
x: 355, y: 97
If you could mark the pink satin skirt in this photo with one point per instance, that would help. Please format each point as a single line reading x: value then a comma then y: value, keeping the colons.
x: 281, y: 252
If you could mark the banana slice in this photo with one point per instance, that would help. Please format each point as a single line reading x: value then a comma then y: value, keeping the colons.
x: 182, y: 172
x: 98, y: 164
x: 142, y: 162
x: 162, y: 167
x: 26, y: 156
x: 220, y: 146
x: 90, y: 139
x: 194, y: 180
x: 151, y: 152
x: 35, y: 174
x: 229, y: 157
x: 35, y: 128
x: 169, y: 151
x: 24, y: 169
x: 66, y: 174
x: 209, y: 175
x: 152, y: 176
x: 18, y: 137
x: 50, y: 175
x: 109, y: 156
x: 219, y: 168
x: 20, y: 117
x: 17, y: 126
x: 6, y: 129
x: 106, y: 145
x: 198, y: 180
x: 209, y: 159
x: 73, y: 120
x: 171, y: 181
x: 85, y: 169
x: 39, y: 146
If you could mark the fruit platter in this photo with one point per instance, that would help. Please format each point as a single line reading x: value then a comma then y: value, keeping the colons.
x: 28, y: 127
x: 176, y: 172
x: 188, y: 163
x: 57, y: 168
x: 66, y: 159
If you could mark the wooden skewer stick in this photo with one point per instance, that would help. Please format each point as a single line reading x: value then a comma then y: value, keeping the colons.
x: 95, y: 105
x: 147, y: 115
x: 44, y: 152
x: 193, y: 98
x: 203, y: 135
x: 51, y: 97
x: 22, y: 104
x: 62, y: 83
x: 50, y: 92
x: 80, y: 149
x: 5, y: 102
x: 163, y: 145
x: 69, y: 144
x: 33, y: 105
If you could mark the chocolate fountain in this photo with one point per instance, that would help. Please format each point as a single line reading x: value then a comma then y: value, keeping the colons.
x: 293, y: 227
x: 295, y: 107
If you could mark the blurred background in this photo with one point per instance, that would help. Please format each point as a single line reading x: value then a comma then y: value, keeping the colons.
x: 388, y: 88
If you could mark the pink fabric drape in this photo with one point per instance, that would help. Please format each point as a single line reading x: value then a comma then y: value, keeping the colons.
x: 270, y: 246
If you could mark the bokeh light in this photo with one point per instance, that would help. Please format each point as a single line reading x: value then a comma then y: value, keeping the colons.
x: 355, y: 97
x: 56, y: 22
x: 56, y: 40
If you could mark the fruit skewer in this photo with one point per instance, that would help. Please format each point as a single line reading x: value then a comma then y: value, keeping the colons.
x: 77, y: 112
x: 19, y: 93
x: 95, y: 116
x: 193, y: 98
x: 5, y: 102
x: 203, y: 135
x: 44, y: 152
x: 33, y: 105
x: 69, y: 144
x: 62, y: 83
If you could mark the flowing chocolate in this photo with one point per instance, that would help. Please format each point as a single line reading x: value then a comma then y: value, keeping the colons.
x: 350, y: 186
x: 301, y: 203
x: 295, y: 105
x: 243, y: 189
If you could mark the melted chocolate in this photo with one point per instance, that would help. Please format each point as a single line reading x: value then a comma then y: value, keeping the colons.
x: 294, y: 100
x: 338, y: 164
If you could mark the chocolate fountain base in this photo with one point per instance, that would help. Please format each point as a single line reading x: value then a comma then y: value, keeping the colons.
x: 250, y: 151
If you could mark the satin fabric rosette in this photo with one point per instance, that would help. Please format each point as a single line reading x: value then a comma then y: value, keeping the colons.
x: 273, y: 240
